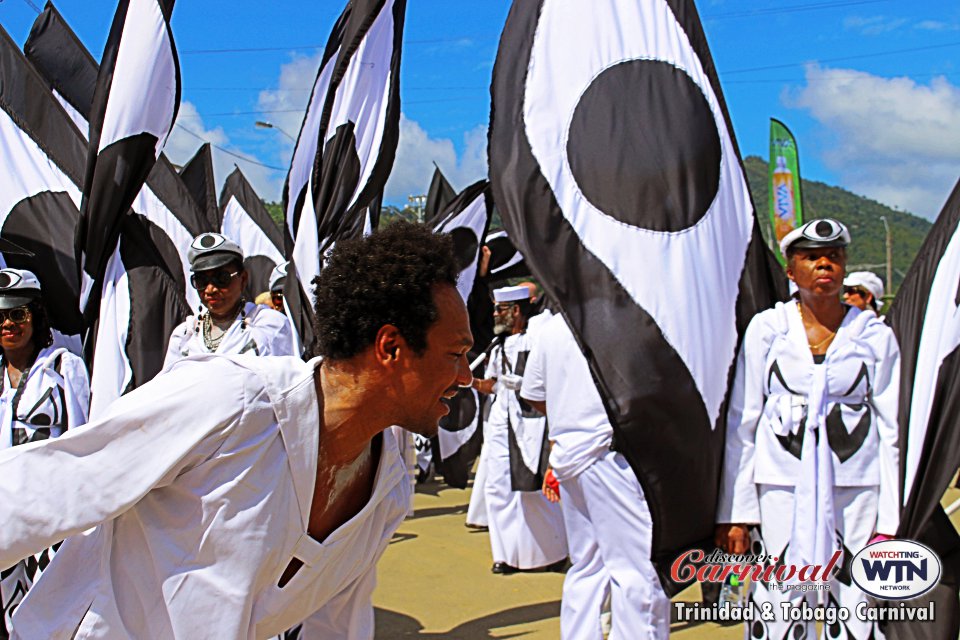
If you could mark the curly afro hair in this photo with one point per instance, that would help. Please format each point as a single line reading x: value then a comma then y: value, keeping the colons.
x: 384, y: 278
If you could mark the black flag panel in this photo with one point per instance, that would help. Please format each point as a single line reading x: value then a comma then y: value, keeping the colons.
x: 39, y: 207
x: 245, y: 220
x: 134, y: 107
x: 439, y: 195
x: 356, y: 140
x: 197, y: 176
x: 926, y: 320
x: 611, y: 157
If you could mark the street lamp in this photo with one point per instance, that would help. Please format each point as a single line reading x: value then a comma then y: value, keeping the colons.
x: 260, y: 124
x: 418, y: 201
x: 889, y: 254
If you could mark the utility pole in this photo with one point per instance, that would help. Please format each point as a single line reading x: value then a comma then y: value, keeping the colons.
x: 418, y: 202
x: 889, y: 256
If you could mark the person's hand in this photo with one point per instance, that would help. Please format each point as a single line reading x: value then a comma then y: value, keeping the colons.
x: 732, y: 538
x: 551, y: 487
x: 484, y: 267
x: 511, y: 381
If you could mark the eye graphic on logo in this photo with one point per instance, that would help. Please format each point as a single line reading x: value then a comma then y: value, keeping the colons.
x: 896, y: 569
x: 8, y: 279
x: 208, y: 241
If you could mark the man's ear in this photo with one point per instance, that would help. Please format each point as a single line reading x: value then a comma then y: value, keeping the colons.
x: 388, y: 345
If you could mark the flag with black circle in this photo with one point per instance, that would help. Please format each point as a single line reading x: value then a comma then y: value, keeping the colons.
x: 134, y: 107
x: 925, y: 317
x: 40, y: 199
x: 614, y: 166
x: 505, y: 261
x: 439, y: 195
x: 245, y: 220
x: 465, y: 220
x: 144, y: 294
x: 356, y: 141
x: 198, y: 178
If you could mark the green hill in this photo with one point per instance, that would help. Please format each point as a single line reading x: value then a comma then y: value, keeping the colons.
x: 861, y: 215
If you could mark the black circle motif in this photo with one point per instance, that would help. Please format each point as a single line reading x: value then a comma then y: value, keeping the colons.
x: 465, y: 245
x: 644, y: 146
x: 208, y: 241
x: 5, y: 280
x: 824, y: 229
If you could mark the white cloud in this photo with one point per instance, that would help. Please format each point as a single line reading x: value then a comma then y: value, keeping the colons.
x: 186, y: 138
x: 417, y: 152
x: 891, y: 139
x: 873, y: 25
x: 936, y: 25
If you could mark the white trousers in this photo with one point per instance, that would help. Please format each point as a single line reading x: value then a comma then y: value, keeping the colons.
x: 477, y: 511
x: 610, y: 533
x: 526, y: 529
x: 856, y: 518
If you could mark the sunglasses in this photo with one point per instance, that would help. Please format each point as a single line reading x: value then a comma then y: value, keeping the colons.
x: 854, y: 291
x: 503, y: 307
x: 277, y: 299
x: 219, y: 279
x: 18, y: 315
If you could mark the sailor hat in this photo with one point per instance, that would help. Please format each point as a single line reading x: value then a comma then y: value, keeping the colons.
x: 511, y: 294
x: 823, y: 232
x: 17, y: 288
x: 212, y: 250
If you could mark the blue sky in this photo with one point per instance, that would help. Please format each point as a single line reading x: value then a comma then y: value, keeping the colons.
x: 871, y: 88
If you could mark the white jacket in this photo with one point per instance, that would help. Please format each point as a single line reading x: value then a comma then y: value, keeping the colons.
x: 769, y: 404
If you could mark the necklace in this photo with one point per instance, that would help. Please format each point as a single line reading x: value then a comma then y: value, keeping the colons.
x: 819, y: 345
x: 210, y: 341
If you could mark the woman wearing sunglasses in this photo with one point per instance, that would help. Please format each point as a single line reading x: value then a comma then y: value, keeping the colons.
x: 811, y: 453
x: 228, y: 323
x: 44, y: 390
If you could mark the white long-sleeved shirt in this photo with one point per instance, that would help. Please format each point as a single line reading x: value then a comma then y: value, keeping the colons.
x: 258, y: 330
x: 199, y: 484
x: 768, y: 409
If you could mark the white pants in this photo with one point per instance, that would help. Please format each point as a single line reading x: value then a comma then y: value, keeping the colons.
x: 856, y: 518
x: 610, y: 534
x: 526, y: 529
x: 477, y: 511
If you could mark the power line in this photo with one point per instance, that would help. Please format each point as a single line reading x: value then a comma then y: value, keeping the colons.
x: 33, y: 6
x: 768, y: 11
x: 228, y: 152
x: 861, y: 56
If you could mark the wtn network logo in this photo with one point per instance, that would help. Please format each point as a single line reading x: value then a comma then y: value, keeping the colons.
x: 896, y: 569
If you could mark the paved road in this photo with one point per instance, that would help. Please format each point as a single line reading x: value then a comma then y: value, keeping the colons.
x: 435, y: 582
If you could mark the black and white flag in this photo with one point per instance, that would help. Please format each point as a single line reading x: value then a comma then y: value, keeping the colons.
x: 925, y: 317
x: 439, y: 195
x: 197, y: 176
x: 40, y: 192
x: 134, y: 107
x: 505, y: 261
x: 614, y: 167
x: 245, y: 220
x: 357, y: 135
x: 465, y: 219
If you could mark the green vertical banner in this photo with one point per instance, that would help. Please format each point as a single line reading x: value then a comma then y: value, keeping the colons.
x: 786, y: 206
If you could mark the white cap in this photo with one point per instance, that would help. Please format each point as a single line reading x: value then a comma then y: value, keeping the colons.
x: 17, y: 288
x: 868, y: 280
x: 511, y: 294
x: 277, y: 275
x: 212, y: 250
x: 823, y: 232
